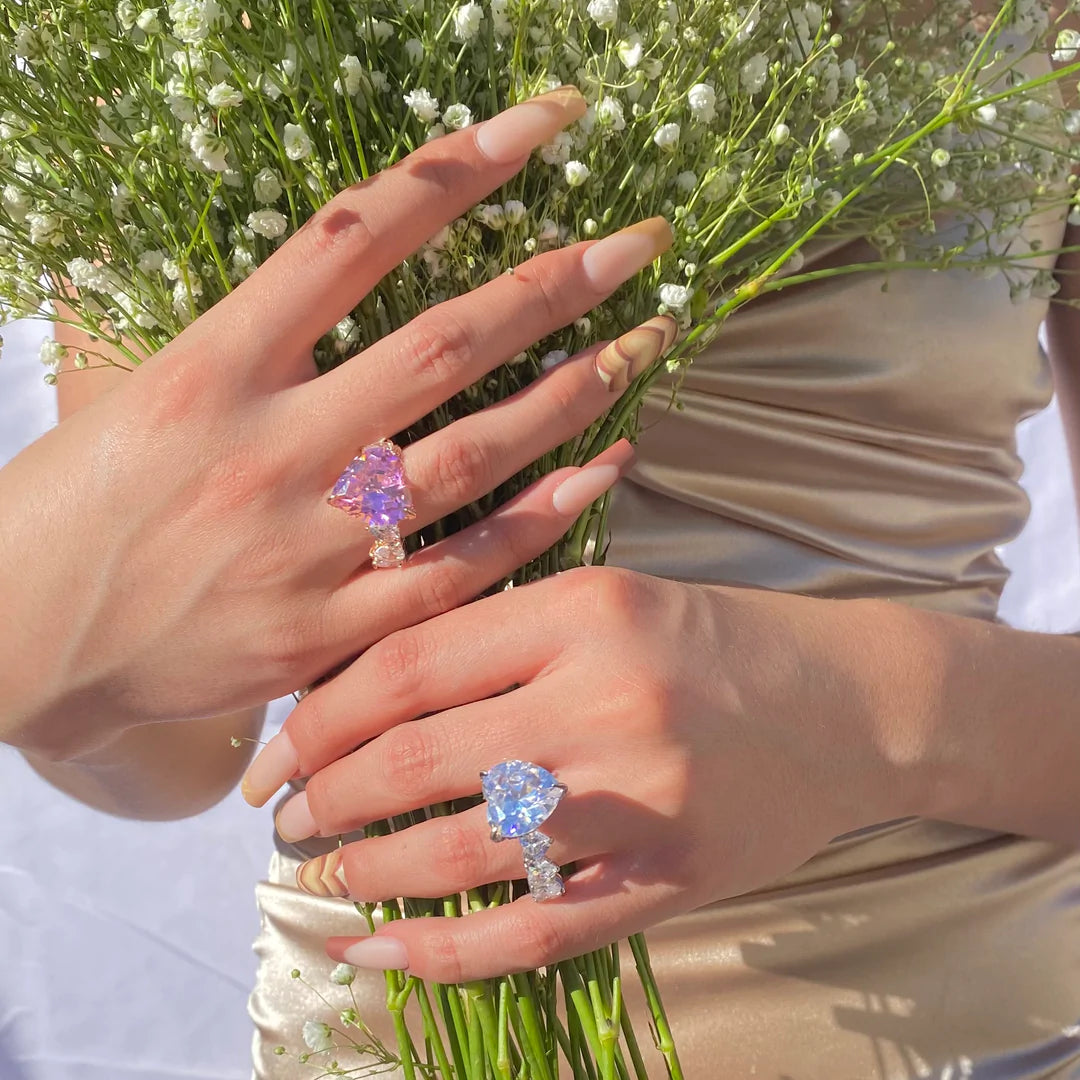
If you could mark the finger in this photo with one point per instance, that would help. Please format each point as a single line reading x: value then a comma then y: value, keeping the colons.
x: 326, y: 723
x: 474, y: 455
x: 444, y: 856
x: 449, y: 347
x: 431, y: 760
x: 323, y: 271
x: 606, y: 901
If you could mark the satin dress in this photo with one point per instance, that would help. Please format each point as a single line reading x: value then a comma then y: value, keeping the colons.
x: 836, y: 440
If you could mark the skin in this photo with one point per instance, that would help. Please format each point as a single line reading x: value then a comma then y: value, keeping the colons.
x: 690, y: 782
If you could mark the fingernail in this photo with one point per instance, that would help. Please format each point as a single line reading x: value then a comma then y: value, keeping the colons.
x: 383, y: 953
x: 583, y: 488
x: 324, y: 876
x: 516, y: 132
x: 619, y: 363
x: 609, y: 262
x: 294, y: 821
x: 275, y: 763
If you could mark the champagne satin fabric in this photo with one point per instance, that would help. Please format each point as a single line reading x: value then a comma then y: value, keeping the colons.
x: 839, y: 441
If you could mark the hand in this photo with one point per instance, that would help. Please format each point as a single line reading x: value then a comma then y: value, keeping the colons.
x: 712, y: 739
x: 169, y: 550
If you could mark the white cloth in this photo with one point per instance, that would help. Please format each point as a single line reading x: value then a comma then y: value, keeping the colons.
x: 115, y: 968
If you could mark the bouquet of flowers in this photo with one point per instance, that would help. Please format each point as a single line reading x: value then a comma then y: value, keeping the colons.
x: 153, y: 157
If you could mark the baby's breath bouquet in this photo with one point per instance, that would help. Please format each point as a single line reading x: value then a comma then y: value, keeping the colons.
x: 155, y: 156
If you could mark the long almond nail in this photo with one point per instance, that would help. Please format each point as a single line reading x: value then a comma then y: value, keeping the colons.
x: 583, y: 488
x: 324, y: 876
x: 294, y: 821
x: 382, y: 953
x: 621, y: 362
x: 513, y: 134
x: 609, y: 262
x: 275, y: 763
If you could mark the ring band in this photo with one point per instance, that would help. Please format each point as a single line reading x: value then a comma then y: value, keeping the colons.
x: 372, y: 487
x: 520, y: 797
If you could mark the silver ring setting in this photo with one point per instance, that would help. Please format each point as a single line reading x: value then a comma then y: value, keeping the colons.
x: 372, y: 487
x: 520, y: 797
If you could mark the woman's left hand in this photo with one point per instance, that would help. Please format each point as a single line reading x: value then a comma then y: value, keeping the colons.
x: 712, y: 739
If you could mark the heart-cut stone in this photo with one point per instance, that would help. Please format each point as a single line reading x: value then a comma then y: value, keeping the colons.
x: 520, y: 797
x: 372, y: 487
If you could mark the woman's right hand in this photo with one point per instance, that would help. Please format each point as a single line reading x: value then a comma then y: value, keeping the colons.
x: 168, y: 552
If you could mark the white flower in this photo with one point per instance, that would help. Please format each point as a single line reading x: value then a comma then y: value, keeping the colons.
x: 297, y: 142
x: 52, y: 353
x: 837, y: 142
x: 553, y: 358
x: 379, y: 82
x: 583, y: 325
x: 702, y: 100
x: 940, y: 158
x: 987, y: 114
x: 609, y: 114
x: 17, y: 203
x: 266, y: 186
x: 414, y: 50
x: 195, y: 20
x: 686, y: 181
x: 457, y: 117
x: 576, y: 173
x: 467, y: 19
x: 209, y: 148
x: 947, y: 190
x: 343, y: 974
x: 549, y: 232
x: 352, y: 75
x: 423, y: 105
x: 780, y: 134
x: 149, y: 20
x: 83, y: 274
x: 754, y: 73
x: 268, y: 223
x: 45, y: 229
x: 317, y: 1036
x: 630, y: 51
x: 557, y: 152
x: 605, y: 13
x: 1066, y: 47
x: 667, y: 137
x: 436, y: 131
x: 378, y: 30
x: 515, y: 212
x: 493, y: 216
x: 224, y: 96
x: 150, y: 262
x: 499, y: 21
x: 675, y: 297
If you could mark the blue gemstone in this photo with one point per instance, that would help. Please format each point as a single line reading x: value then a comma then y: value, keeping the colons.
x: 520, y: 797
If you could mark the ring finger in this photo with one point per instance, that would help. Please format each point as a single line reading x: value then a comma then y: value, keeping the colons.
x: 444, y: 856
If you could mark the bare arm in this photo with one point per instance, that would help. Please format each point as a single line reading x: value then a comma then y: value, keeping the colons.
x: 157, y: 771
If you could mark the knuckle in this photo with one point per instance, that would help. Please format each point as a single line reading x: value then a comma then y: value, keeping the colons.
x: 436, y: 348
x: 409, y: 759
x: 544, y: 289
x: 462, y: 471
x: 442, y: 588
x: 339, y: 229
x: 444, y: 957
x: 396, y: 662
x: 538, y: 941
x: 460, y: 854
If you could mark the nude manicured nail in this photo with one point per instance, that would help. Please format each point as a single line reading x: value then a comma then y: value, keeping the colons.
x: 609, y: 262
x: 516, y: 132
x: 324, y: 876
x: 583, y: 488
x: 382, y: 953
x: 275, y: 763
x: 623, y: 360
x: 294, y: 821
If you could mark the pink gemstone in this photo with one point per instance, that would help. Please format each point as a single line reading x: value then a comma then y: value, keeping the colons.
x: 372, y: 487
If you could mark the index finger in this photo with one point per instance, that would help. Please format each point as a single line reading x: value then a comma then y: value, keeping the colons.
x: 323, y: 271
